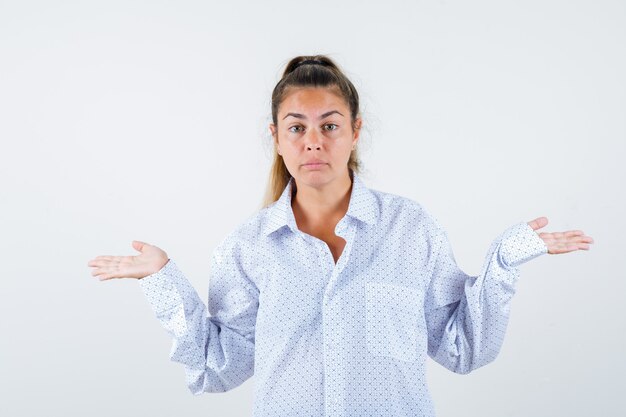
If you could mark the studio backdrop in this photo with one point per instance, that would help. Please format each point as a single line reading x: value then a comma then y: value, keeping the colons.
x: 140, y: 120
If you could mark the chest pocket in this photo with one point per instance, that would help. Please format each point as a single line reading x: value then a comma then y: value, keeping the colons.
x: 392, y: 320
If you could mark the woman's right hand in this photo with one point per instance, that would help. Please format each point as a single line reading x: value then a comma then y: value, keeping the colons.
x: 151, y: 260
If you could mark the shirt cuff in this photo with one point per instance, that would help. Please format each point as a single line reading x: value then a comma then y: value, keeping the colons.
x: 519, y: 244
x: 160, y: 289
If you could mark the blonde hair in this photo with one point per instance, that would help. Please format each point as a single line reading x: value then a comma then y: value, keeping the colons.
x: 322, y: 72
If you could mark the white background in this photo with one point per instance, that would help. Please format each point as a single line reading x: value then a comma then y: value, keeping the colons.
x: 124, y: 120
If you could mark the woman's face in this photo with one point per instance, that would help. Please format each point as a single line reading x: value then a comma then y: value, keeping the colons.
x: 314, y: 135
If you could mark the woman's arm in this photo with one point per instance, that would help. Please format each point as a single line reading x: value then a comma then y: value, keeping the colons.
x: 217, y: 351
x: 467, y: 316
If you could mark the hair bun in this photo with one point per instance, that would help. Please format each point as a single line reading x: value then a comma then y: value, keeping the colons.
x: 315, y: 62
x: 309, y: 61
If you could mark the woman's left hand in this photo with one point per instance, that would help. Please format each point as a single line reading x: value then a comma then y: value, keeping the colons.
x: 561, y: 242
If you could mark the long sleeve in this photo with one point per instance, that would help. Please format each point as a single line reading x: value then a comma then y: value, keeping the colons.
x: 218, y: 350
x: 467, y: 316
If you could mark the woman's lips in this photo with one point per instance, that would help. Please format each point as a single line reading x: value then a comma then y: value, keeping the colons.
x: 315, y: 165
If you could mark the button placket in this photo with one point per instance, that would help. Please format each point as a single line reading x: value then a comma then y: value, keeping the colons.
x: 332, y: 359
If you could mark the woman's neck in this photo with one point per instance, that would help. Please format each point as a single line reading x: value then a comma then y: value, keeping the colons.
x: 316, y: 206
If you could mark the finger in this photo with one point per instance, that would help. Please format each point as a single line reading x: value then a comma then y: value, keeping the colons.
x: 560, y: 250
x: 97, y: 258
x: 109, y: 270
x: 565, y: 238
x: 108, y: 276
x: 109, y: 260
x: 574, y: 233
x: 139, y: 245
x: 557, y: 247
x: 538, y: 223
x: 578, y: 234
x: 100, y: 271
x: 96, y: 263
x: 104, y: 257
x: 581, y: 239
x: 585, y: 238
x: 566, y: 247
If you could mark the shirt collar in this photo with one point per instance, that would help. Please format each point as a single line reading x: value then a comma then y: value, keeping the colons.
x: 363, y: 206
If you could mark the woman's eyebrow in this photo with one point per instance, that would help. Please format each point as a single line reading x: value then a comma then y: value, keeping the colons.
x: 301, y: 116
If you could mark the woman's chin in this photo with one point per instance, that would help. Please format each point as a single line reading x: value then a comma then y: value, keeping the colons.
x: 314, y: 178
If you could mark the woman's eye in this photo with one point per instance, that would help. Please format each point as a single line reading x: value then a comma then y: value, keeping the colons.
x: 294, y: 127
x: 334, y: 126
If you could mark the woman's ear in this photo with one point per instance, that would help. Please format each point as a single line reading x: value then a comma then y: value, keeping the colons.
x: 357, y: 127
x: 274, y: 136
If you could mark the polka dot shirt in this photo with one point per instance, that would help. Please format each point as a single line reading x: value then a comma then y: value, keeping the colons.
x: 339, y: 339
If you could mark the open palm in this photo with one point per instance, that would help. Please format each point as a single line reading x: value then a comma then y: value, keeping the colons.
x: 148, y: 262
x: 561, y: 242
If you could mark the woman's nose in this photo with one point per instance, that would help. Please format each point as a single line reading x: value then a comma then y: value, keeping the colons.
x: 313, y: 139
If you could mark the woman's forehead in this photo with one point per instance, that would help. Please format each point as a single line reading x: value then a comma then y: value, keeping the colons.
x: 312, y: 98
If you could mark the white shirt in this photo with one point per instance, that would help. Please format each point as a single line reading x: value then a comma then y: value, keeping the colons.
x: 344, y: 339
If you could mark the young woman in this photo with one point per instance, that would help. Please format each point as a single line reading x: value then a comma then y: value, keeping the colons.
x: 333, y: 293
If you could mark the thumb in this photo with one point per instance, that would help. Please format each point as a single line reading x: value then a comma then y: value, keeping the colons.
x: 139, y: 245
x: 538, y: 223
